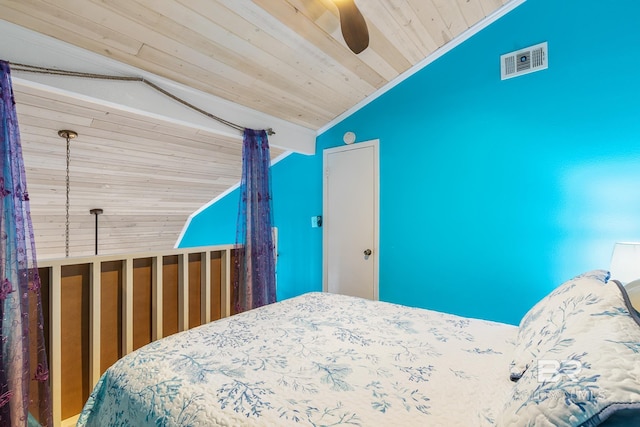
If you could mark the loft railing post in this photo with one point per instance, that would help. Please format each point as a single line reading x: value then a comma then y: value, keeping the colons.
x: 225, y: 283
x: 95, y: 296
x: 127, y: 310
x: 156, y: 297
x: 55, y: 293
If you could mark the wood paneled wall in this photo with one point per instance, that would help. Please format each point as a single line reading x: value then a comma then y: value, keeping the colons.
x: 109, y: 306
x: 170, y: 296
x: 110, y: 314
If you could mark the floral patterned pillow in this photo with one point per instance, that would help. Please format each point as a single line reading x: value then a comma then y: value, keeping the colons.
x: 590, y: 370
x: 541, y: 328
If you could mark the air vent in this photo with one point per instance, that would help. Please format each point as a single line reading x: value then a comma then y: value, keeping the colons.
x: 524, y: 61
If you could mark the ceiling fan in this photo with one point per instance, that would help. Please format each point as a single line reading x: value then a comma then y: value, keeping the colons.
x: 353, y: 26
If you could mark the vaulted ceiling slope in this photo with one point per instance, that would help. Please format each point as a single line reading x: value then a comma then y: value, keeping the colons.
x: 146, y: 175
x: 283, y: 58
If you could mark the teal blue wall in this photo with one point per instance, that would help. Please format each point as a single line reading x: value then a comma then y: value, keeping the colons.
x: 297, y: 196
x: 214, y: 225
x: 491, y: 192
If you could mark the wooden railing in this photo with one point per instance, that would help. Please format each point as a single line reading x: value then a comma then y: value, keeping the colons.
x: 104, y: 307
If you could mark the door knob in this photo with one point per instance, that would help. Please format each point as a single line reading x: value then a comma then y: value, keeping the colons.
x: 367, y: 252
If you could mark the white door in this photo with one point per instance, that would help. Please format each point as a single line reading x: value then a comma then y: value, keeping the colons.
x: 350, y: 220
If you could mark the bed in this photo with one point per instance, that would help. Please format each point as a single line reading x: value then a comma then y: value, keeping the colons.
x: 331, y: 360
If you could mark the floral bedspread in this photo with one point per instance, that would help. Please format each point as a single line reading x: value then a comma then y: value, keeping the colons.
x: 314, y: 360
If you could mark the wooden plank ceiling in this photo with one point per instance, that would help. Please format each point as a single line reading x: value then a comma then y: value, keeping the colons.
x: 146, y: 175
x: 286, y: 58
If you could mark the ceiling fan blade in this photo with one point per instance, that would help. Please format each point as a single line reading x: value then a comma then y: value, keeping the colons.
x: 353, y: 26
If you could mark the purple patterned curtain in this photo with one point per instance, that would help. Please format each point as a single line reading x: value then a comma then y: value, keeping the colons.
x: 254, y: 283
x: 24, y: 387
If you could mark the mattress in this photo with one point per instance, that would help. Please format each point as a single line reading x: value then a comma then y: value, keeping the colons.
x: 315, y: 360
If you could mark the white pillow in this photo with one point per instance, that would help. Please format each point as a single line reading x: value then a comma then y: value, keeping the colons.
x: 590, y: 370
x: 541, y: 328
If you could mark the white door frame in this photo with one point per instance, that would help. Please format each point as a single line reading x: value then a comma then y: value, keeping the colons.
x: 375, y: 143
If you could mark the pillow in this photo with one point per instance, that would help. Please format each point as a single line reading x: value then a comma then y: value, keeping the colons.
x: 541, y: 328
x: 590, y: 373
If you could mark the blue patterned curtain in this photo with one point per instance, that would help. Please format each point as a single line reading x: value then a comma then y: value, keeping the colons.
x: 24, y: 375
x: 255, y: 279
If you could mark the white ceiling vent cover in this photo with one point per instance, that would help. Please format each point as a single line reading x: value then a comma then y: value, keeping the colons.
x: 524, y: 61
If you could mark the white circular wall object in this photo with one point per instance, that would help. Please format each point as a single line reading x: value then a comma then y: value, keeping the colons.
x: 349, y: 138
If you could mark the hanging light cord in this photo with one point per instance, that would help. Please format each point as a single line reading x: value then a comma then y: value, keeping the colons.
x: 52, y: 71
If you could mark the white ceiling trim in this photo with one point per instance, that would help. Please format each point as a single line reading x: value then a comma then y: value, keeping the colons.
x: 475, y: 29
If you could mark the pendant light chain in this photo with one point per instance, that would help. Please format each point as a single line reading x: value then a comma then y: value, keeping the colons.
x: 66, y: 230
x: 68, y: 135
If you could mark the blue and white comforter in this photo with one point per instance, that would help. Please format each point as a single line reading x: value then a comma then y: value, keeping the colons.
x: 315, y: 360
